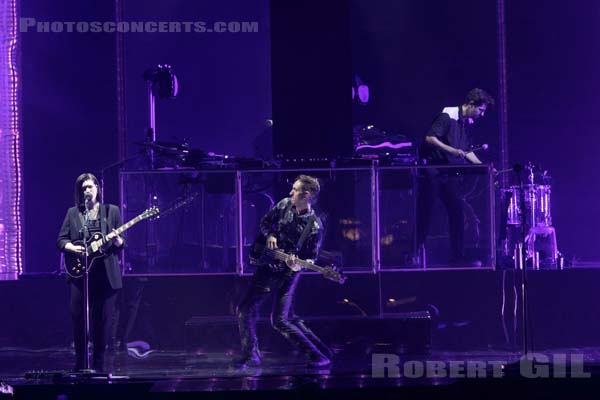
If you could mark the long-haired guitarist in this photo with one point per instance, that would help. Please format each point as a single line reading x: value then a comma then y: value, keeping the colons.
x: 293, y: 227
x: 87, y: 217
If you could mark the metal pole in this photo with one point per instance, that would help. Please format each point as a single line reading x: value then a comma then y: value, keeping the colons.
x: 492, y: 198
x: 121, y: 111
x: 375, y: 234
x: 239, y: 255
x: 86, y: 294
x: 151, y: 124
x: 418, y: 253
x: 123, y: 213
x: 502, y: 92
x: 151, y: 113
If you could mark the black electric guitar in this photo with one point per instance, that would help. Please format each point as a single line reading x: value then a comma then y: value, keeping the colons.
x: 97, y: 245
x: 260, y: 253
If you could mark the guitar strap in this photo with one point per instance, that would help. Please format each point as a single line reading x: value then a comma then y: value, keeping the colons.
x: 305, y: 233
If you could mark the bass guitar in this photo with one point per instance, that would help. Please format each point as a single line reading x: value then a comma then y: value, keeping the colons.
x: 260, y: 253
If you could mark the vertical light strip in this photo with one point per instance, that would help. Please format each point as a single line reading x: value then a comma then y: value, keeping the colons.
x: 11, y: 188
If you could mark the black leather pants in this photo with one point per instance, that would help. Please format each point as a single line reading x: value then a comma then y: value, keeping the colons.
x: 265, y: 282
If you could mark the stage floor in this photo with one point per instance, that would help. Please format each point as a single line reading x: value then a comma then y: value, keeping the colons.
x: 468, y: 326
x: 157, y: 373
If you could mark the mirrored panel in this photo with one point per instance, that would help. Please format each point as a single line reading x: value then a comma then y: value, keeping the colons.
x: 454, y: 219
x: 344, y: 207
x: 196, y: 229
x: 397, y: 218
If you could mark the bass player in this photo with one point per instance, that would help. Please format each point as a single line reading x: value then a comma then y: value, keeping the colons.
x: 293, y: 227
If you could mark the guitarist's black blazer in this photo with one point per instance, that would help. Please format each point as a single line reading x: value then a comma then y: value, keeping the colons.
x: 110, y: 218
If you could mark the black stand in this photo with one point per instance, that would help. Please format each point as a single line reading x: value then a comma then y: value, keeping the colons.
x: 86, y: 372
x: 151, y: 132
x: 514, y: 369
x: 522, y: 261
x: 86, y: 297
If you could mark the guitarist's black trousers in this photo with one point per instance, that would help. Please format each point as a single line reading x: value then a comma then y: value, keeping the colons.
x: 102, y: 311
x: 283, y: 283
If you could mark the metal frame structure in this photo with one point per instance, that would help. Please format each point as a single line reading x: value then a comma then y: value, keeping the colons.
x: 375, y: 201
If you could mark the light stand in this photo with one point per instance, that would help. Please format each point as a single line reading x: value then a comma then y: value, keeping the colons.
x: 522, y: 259
x: 162, y: 82
x: 151, y: 132
x: 514, y: 368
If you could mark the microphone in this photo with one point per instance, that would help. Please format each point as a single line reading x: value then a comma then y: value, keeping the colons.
x: 87, y: 197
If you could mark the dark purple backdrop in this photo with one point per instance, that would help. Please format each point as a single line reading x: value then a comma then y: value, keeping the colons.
x: 69, y: 118
x: 224, y: 78
x: 554, y: 59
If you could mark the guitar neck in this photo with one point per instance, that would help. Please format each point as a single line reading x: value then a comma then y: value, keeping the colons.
x: 280, y: 255
x: 128, y: 225
x: 311, y: 266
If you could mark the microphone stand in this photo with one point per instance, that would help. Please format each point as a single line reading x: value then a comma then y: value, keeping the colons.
x: 86, y: 294
x: 87, y: 372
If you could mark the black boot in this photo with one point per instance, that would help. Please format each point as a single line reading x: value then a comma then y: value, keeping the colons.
x: 310, y: 335
x: 299, y: 336
x: 247, y: 327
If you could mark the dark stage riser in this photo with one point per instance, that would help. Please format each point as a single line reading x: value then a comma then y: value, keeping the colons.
x: 465, y: 306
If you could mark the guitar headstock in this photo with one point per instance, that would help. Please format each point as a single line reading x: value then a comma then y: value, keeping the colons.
x: 150, y: 212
